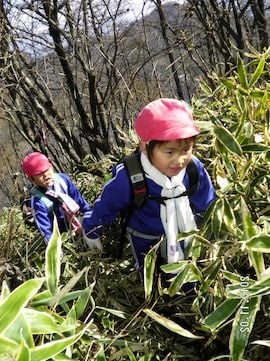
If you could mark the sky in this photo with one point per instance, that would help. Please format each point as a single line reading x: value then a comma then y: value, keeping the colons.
x: 136, y: 6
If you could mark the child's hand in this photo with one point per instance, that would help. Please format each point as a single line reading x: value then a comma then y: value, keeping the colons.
x: 93, y: 243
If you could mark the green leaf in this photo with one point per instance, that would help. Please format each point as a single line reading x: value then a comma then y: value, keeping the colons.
x: 206, y: 88
x: 262, y: 342
x: 117, y: 313
x: 24, y: 353
x: 217, y: 214
x: 210, y: 273
x: 229, y: 218
x: 82, y: 301
x: 149, y: 269
x: 221, y: 313
x: 20, y: 329
x: 50, y: 349
x: 258, y: 72
x: 170, y: 325
x: 175, y: 267
x: 242, y: 74
x: 230, y: 84
x: 64, y: 292
x: 260, y: 243
x: 101, y: 355
x: 178, y: 281
x: 253, y: 289
x: 7, y: 345
x: 12, y: 306
x: 228, y: 140
x: 260, y: 94
x: 249, y: 228
x: 52, y: 259
x: 255, y: 148
x: 242, y: 327
x: 42, y: 322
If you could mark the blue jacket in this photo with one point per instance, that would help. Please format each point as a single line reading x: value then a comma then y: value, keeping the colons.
x: 44, y: 216
x: 117, y: 195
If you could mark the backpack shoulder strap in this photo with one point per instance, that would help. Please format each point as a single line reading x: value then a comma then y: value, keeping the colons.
x: 138, y: 184
x: 136, y: 174
x: 193, y: 175
x: 36, y: 192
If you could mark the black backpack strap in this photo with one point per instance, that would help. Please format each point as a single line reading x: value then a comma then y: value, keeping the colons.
x: 193, y: 175
x: 139, y: 188
x: 137, y: 179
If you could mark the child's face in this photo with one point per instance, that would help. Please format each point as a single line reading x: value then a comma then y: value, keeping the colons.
x: 172, y: 156
x: 44, y: 179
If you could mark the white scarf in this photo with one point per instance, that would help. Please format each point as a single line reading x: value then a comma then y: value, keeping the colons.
x: 69, y: 206
x: 176, y: 215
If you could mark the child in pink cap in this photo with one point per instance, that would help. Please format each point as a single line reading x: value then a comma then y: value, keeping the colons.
x: 167, y: 134
x: 54, y: 195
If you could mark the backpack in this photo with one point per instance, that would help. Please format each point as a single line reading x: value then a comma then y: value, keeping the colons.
x: 140, y: 195
x: 25, y: 204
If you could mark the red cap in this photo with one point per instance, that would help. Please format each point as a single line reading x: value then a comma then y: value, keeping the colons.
x: 35, y: 163
x: 166, y: 119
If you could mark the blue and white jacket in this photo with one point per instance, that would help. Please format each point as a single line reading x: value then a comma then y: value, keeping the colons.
x: 117, y: 195
x: 44, y: 215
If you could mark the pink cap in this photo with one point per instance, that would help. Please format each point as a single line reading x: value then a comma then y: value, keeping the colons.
x: 166, y: 119
x: 35, y: 163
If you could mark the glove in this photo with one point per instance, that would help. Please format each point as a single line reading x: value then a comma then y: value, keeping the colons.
x: 93, y: 243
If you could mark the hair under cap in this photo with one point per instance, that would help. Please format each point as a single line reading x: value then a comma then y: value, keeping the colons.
x: 166, y: 119
x: 35, y: 163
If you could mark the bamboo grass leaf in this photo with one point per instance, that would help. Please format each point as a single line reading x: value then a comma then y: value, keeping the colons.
x: 24, y: 353
x: 42, y: 322
x: 83, y: 301
x: 262, y: 342
x: 229, y: 218
x: 230, y: 84
x: 258, y: 72
x: 7, y: 345
x: 149, y: 269
x: 255, y: 148
x: 250, y: 231
x: 101, y: 355
x: 175, y: 267
x: 51, y: 349
x: 20, y: 329
x: 217, y: 214
x: 228, y: 140
x: 260, y: 94
x: 178, y: 281
x: 52, y: 259
x: 117, y: 313
x: 221, y: 313
x: 242, y: 327
x: 131, y: 355
x: 64, y: 292
x: 170, y: 325
x: 260, y: 243
x: 13, y: 305
x: 242, y: 74
x: 258, y: 288
x: 249, y: 228
x: 210, y: 273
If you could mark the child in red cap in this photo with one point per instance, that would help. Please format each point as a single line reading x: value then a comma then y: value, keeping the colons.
x: 54, y: 195
x: 167, y: 134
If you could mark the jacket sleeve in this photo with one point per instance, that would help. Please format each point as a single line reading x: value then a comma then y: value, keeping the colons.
x: 43, y: 218
x: 115, y: 195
